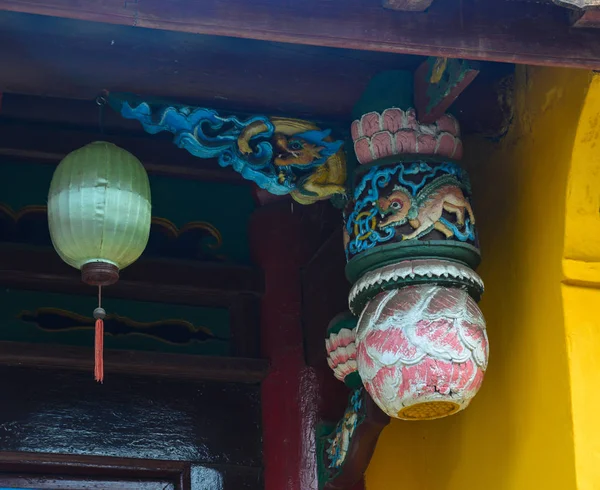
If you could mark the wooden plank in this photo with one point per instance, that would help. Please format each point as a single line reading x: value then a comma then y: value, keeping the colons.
x: 49, y: 143
x: 138, y: 363
x: 493, y: 30
x: 75, y: 59
x: 65, y: 483
x: 159, y: 280
x: 130, y: 416
x: 73, y: 464
x: 188, y: 476
x: 244, y: 324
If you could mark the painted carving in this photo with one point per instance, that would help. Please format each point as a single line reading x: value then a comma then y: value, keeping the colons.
x: 340, y: 440
x: 170, y: 331
x: 396, y: 132
x: 424, y: 213
x: 281, y: 155
x: 422, y: 351
x: 411, y: 201
x: 341, y: 349
x: 344, y: 451
x: 413, y: 272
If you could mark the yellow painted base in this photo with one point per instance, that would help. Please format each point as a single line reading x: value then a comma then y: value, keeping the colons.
x: 428, y: 411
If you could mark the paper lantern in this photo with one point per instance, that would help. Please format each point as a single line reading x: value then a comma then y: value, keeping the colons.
x: 99, y: 214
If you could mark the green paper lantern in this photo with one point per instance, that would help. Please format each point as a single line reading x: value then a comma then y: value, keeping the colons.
x: 99, y: 211
x: 99, y: 215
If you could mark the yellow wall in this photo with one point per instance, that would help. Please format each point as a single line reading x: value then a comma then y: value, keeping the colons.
x: 581, y: 290
x: 519, y: 431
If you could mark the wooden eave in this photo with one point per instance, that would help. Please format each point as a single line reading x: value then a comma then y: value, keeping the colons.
x: 511, y: 31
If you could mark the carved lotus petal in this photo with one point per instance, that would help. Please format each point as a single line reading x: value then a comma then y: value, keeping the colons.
x: 397, y: 132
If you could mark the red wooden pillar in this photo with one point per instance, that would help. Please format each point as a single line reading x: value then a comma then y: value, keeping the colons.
x: 289, y: 393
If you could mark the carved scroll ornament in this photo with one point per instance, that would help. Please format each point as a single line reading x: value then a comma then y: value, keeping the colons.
x: 281, y: 155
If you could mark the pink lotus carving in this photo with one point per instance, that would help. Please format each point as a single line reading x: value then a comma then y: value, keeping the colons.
x: 341, y: 353
x: 397, y: 132
x: 422, y: 346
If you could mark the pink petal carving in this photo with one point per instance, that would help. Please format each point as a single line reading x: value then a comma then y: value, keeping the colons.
x: 446, y: 144
x: 371, y: 123
x: 406, y: 142
x: 448, y: 124
x: 411, y: 120
x: 391, y: 345
x: 382, y: 145
x: 426, y: 144
x: 356, y: 130
x: 393, y: 120
x: 362, y: 148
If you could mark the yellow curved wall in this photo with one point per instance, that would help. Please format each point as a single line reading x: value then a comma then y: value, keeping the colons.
x: 521, y: 429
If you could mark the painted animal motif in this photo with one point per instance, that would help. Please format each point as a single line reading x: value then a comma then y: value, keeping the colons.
x: 341, y: 442
x: 302, y: 146
x: 424, y: 212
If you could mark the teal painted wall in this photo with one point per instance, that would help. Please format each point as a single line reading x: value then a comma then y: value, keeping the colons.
x: 225, y: 206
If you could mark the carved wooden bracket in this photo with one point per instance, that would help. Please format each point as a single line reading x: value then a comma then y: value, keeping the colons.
x: 345, y: 453
x: 407, y: 5
x: 438, y: 83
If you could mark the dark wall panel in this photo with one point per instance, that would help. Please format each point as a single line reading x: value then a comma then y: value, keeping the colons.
x: 128, y: 417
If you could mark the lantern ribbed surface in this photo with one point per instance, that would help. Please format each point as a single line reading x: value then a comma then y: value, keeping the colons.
x: 99, y: 207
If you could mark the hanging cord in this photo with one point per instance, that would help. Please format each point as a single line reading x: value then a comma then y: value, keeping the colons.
x: 99, y: 315
x: 101, y: 102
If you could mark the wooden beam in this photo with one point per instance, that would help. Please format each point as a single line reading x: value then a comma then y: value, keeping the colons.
x: 138, y: 363
x: 70, y: 59
x: 51, y: 143
x: 158, y: 280
x: 493, y: 30
x: 408, y: 5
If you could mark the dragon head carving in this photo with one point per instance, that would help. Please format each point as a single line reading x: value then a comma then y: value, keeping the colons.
x: 396, y: 207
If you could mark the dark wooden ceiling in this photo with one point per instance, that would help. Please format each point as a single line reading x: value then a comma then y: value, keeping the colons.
x: 76, y: 59
x: 53, y: 69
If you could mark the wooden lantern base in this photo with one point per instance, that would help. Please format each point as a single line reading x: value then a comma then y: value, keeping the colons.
x: 99, y: 274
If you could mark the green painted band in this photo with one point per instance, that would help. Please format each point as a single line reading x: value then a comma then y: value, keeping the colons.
x: 392, y: 253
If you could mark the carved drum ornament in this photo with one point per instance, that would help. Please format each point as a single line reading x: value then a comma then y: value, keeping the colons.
x: 422, y: 351
x: 419, y: 349
x: 412, y: 247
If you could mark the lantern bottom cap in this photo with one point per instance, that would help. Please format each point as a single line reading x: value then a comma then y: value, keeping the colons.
x: 99, y: 273
x: 429, y: 410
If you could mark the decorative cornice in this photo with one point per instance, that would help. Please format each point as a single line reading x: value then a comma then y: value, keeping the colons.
x: 410, y: 272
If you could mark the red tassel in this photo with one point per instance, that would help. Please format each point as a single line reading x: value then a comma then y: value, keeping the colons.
x: 99, y: 351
